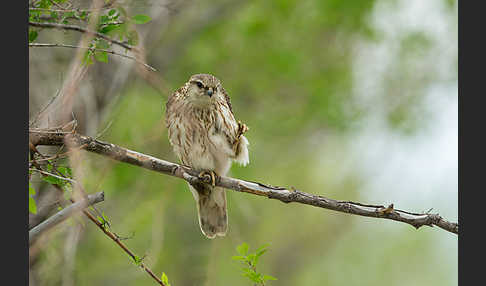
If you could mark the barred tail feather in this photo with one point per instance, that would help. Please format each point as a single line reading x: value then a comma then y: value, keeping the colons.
x: 211, y: 209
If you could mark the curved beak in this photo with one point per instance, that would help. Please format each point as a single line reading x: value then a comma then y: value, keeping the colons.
x: 210, y: 92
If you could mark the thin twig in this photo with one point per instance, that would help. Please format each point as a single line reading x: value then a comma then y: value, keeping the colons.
x: 67, y: 10
x: 117, y: 240
x: 283, y: 194
x: 50, y: 174
x: 59, y: 155
x: 43, y: 109
x: 83, y: 30
x: 42, y: 45
x: 64, y: 214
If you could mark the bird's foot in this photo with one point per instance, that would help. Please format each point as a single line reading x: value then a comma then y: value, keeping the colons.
x: 242, y: 128
x: 208, y: 176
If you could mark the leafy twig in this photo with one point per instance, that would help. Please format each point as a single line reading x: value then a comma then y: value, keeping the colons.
x: 42, y: 45
x: 250, y: 261
x: 82, y: 30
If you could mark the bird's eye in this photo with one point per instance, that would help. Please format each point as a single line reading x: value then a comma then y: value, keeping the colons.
x: 199, y: 84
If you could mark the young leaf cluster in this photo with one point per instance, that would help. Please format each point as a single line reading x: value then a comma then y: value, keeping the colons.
x: 165, y: 279
x: 250, y: 261
x: 114, y: 22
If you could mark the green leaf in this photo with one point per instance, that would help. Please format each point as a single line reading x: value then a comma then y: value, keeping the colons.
x: 104, y: 19
x: 262, y: 249
x: 242, y: 248
x: 164, y: 279
x: 112, y: 12
x: 141, y: 19
x: 101, y: 56
x: 32, y: 205
x: 255, y: 277
x: 82, y: 15
x: 66, y: 171
x: 268, y: 277
x: 31, y: 190
x: 32, y: 35
x: 54, y: 180
x: 87, y: 60
x: 237, y: 257
x: 253, y: 259
x: 108, y: 28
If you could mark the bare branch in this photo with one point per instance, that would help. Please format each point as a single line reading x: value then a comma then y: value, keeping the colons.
x: 42, y: 45
x: 64, y: 214
x: 82, y: 30
x: 285, y: 195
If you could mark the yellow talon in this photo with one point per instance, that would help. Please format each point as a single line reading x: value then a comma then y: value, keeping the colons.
x: 242, y: 128
x: 203, y: 174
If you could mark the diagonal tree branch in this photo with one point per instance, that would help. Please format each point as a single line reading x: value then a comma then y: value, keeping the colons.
x: 39, y: 137
x: 64, y: 214
x: 98, y: 223
x: 117, y: 240
x: 82, y: 30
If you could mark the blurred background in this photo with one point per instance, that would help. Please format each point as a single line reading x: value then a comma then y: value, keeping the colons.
x: 352, y: 100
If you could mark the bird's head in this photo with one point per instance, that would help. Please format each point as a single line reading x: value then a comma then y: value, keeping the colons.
x: 204, y: 89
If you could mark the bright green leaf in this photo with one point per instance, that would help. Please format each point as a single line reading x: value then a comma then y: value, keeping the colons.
x: 101, y: 56
x: 32, y: 205
x: 108, y: 28
x: 104, y: 19
x: 164, y: 279
x: 87, y: 60
x: 67, y: 172
x: 32, y: 35
x: 31, y: 190
x: 242, y: 258
x: 253, y: 259
x: 242, y: 248
x: 141, y: 19
x: 269, y: 277
x: 261, y: 249
x: 54, y: 180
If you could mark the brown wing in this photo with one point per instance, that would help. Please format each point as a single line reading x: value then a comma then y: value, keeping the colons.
x: 169, y: 106
x: 226, y: 96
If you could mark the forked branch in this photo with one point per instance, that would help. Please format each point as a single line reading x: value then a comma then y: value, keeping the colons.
x: 40, y: 137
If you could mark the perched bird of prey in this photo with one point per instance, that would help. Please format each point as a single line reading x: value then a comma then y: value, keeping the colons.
x: 205, y: 136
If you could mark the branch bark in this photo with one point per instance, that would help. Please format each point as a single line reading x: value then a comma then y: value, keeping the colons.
x: 64, y: 214
x: 39, y: 137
